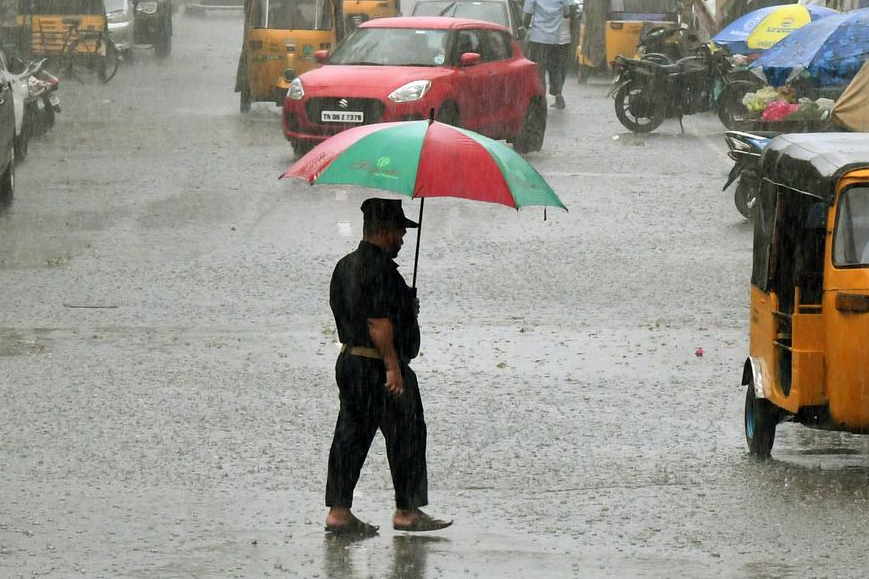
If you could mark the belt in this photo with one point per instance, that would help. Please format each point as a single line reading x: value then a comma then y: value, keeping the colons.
x: 363, y: 351
x: 367, y: 352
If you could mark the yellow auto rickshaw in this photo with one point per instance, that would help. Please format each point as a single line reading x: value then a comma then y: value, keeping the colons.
x: 610, y: 28
x: 358, y: 11
x: 73, y: 33
x: 809, y: 288
x: 280, y: 39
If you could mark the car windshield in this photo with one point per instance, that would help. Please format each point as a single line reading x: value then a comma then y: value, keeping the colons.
x: 393, y: 47
x: 851, y: 245
x: 495, y: 12
x: 299, y: 14
x: 115, y: 5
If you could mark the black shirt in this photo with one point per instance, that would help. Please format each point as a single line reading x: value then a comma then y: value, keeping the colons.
x: 366, y: 284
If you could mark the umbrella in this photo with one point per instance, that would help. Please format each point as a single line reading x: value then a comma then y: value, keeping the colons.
x: 852, y: 107
x: 421, y: 159
x: 829, y: 51
x: 763, y: 28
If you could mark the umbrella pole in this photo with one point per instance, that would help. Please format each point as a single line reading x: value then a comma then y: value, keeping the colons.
x: 418, y: 235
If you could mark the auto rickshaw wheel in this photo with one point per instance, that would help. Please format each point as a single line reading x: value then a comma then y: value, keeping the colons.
x: 761, y: 418
x: 637, y: 111
x: 533, y: 128
x: 244, y: 100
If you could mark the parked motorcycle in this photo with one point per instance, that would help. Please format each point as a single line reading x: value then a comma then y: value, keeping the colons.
x: 31, y: 87
x: 650, y: 89
x: 746, y: 150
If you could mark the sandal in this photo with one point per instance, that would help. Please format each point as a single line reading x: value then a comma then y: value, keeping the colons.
x: 423, y: 523
x: 355, y: 528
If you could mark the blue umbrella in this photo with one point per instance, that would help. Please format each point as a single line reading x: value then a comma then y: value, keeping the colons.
x: 763, y: 28
x: 829, y: 52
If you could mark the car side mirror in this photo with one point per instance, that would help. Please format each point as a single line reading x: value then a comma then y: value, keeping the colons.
x: 321, y: 56
x: 469, y: 59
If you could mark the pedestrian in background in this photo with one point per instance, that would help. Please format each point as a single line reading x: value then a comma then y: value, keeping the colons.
x: 543, y: 18
x: 376, y: 315
x: 566, y: 37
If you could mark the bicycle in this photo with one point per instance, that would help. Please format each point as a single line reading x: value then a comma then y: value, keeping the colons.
x: 88, y: 54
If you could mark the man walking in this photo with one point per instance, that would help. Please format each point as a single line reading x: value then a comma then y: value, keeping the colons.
x: 376, y: 314
x: 543, y: 19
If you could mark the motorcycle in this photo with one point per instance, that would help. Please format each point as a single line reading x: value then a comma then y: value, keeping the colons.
x: 746, y: 150
x: 649, y: 89
x: 32, y: 100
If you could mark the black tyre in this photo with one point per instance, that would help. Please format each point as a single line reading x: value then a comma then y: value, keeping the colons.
x: 107, y: 66
x: 533, y: 129
x: 48, y: 116
x: 730, y: 107
x: 761, y: 418
x: 637, y: 111
x: 744, y: 197
x: 449, y: 115
x: 244, y: 100
x: 7, y: 180
x: 301, y: 148
x: 163, y: 43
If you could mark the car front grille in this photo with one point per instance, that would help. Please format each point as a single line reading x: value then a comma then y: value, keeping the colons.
x: 372, y: 109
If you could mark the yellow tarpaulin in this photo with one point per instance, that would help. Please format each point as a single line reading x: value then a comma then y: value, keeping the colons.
x: 852, y: 109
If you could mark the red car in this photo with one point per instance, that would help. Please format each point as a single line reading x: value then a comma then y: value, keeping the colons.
x: 471, y: 73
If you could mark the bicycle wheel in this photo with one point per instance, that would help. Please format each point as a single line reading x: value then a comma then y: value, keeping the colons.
x: 107, y: 66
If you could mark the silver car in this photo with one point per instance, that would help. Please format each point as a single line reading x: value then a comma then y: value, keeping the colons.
x: 120, y: 15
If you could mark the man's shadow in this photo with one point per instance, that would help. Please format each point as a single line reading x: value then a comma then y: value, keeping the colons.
x: 409, y: 556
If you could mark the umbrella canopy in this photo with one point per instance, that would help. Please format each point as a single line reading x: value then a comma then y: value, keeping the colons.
x: 763, y: 28
x: 422, y: 159
x: 852, y: 108
x: 829, y: 51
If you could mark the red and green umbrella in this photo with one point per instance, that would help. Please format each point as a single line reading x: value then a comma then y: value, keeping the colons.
x: 421, y: 159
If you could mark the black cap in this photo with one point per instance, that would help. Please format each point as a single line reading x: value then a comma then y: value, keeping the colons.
x: 386, y: 212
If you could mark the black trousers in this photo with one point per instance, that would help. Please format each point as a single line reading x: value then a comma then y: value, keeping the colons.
x: 551, y: 59
x: 366, y: 406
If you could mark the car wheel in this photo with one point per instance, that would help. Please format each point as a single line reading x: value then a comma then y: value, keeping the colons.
x: 449, y: 114
x: 244, y: 100
x: 163, y: 44
x: 761, y: 418
x: 300, y: 148
x: 7, y: 181
x: 533, y: 128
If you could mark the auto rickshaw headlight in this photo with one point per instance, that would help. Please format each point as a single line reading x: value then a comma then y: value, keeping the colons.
x: 412, y: 91
x: 146, y: 7
x: 296, y: 92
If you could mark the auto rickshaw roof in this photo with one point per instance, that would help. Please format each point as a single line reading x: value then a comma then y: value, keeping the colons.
x: 813, y: 163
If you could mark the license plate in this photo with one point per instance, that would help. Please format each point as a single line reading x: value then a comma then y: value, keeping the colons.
x: 342, y: 117
x: 54, y: 100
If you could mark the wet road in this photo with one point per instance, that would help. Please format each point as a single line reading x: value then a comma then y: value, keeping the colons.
x: 166, y: 358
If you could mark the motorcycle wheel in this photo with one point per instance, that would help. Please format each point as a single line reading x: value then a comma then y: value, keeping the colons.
x: 744, y: 197
x: 730, y: 107
x: 630, y: 114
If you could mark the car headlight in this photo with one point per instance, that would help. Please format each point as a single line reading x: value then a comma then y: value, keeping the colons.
x: 296, y: 92
x: 116, y: 16
x: 412, y: 91
x: 146, y: 7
